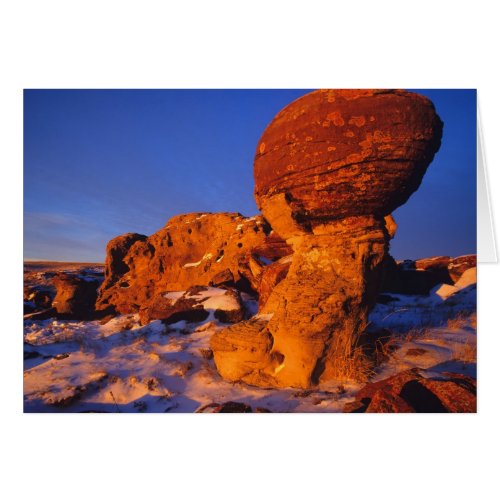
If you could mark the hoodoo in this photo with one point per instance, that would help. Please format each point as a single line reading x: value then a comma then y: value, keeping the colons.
x: 329, y: 170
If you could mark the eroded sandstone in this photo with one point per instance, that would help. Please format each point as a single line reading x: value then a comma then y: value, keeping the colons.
x: 222, y: 249
x: 329, y: 170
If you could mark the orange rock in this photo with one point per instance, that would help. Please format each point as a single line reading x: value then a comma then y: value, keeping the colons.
x: 329, y: 170
x: 192, y: 249
x: 415, y: 391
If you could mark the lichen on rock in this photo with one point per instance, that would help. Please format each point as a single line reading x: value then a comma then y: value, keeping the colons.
x: 329, y: 170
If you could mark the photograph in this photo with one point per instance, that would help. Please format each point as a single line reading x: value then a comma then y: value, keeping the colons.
x: 249, y: 250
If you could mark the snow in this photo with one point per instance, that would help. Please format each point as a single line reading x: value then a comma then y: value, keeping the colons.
x: 207, y: 256
x: 142, y: 369
x: 444, y: 291
x: 217, y: 298
x: 121, y: 366
x: 173, y: 296
x: 192, y: 264
x: 468, y: 278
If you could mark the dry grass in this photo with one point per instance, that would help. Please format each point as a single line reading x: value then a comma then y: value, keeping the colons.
x: 349, y: 363
x: 466, y: 353
x: 416, y: 334
x: 384, y: 348
x: 462, y: 321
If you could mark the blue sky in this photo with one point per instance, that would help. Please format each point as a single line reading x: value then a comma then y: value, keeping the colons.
x: 99, y: 163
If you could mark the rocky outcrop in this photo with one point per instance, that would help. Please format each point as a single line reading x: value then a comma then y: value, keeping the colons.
x: 417, y: 391
x: 458, y: 266
x: 75, y: 295
x: 194, y: 249
x: 329, y: 170
x: 419, y: 277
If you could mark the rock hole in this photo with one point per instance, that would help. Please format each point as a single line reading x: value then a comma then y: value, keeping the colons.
x: 190, y: 231
x: 124, y: 284
x: 278, y: 357
x: 240, y: 244
x: 219, y: 256
x: 421, y: 398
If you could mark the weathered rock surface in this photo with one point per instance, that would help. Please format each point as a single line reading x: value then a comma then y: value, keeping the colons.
x: 270, y: 277
x: 329, y: 170
x: 193, y: 249
x: 343, y: 153
x: 417, y: 391
x: 75, y: 295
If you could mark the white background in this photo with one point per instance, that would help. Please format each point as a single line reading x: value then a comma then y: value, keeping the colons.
x: 244, y: 44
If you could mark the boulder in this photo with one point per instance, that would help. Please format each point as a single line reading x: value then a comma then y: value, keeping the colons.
x: 341, y: 153
x: 226, y: 407
x: 192, y: 249
x: 75, y: 296
x: 329, y: 170
x: 417, y: 391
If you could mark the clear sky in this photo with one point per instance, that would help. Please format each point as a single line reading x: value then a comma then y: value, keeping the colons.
x: 99, y: 163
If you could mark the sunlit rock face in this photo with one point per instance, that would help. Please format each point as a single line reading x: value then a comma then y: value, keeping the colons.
x: 192, y: 249
x: 329, y: 169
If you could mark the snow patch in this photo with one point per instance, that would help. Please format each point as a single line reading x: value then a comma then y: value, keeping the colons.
x: 207, y: 256
x: 217, y: 298
x: 173, y: 296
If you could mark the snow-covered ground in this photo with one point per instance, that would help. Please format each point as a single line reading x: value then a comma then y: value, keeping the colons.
x: 120, y: 366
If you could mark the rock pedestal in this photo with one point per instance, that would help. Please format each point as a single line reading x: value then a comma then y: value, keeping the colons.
x: 329, y: 169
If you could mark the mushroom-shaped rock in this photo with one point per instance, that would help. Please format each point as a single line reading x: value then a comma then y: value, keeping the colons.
x: 333, y: 154
x: 329, y: 169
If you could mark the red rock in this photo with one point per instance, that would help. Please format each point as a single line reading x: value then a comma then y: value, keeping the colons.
x: 456, y: 395
x: 459, y: 265
x: 227, y: 407
x: 387, y: 402
x: 75, y: 296
x: 415, y: 391
x: 342, y: 153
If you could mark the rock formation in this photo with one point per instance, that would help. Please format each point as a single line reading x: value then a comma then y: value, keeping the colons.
x: 329, y: 170
x: 75, y: 295
x: 417, y: 391
x: 224, y: 249
x: 419, y: 277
